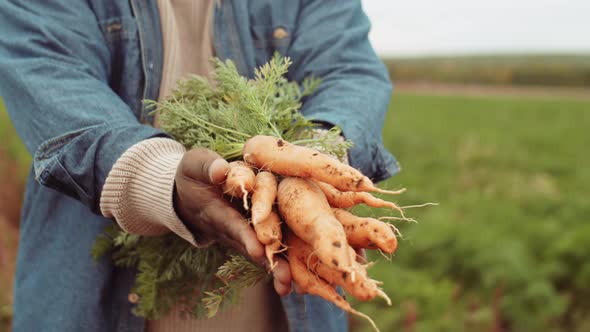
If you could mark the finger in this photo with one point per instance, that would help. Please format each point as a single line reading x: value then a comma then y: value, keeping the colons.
x: 228, y: 242
x: 211, y: 233
x: 204, y: 165
x: 229, y: 222
x: 218, y: 171
x: 280, y: 288
x: 298, y: 289
x: 281, y: 271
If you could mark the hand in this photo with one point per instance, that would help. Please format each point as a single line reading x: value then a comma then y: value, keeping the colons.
x: 199, y: 201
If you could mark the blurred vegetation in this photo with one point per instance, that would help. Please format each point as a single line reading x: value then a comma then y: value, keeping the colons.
x: 542, y: 70
x: 11, y: 147
x: 507, y: 248
x: 12, y: 156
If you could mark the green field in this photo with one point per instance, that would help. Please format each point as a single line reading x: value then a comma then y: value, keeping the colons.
x: 508, y: 246
x: 540, y: 70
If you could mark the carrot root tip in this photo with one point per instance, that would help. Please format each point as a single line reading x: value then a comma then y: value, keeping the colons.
x: 273, y: 263
x: 399, y: 218
x: 390, y: 192
x: 387, y: 257
x: 244, y: 196
x: 384, y: 296
x: 419, y: 205
x: 283, y: 249
x: 270, y: 253
x: 360, y: 314
x: 396, y: 231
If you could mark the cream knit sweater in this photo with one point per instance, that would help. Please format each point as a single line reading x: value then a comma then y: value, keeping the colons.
x: 139, y: 189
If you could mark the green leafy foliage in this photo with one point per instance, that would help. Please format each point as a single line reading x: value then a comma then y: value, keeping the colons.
x: 223, y: 114
x: 173, y: 272
x: 236, y: 274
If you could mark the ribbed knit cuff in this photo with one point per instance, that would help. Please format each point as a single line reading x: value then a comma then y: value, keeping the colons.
x: 138, y: 192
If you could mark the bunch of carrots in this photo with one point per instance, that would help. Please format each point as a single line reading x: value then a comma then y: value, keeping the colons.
x: 295, y: 190
x: 311, y: 192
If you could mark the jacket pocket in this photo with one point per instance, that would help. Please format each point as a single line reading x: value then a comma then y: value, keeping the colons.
x: 118, y: 28
x: 126, y: 76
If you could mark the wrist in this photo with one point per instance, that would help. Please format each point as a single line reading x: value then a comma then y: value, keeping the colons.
x: 139, y: 190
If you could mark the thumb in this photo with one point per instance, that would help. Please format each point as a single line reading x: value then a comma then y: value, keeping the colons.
x: 218, y: 169
x: 204, y: 165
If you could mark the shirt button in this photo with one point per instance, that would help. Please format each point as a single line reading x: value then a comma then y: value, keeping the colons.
x: 133, y: 298
x: 280, y: 33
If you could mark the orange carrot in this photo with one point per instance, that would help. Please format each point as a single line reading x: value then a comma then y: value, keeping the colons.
x: 314, y: 285
x: 239, y: 181
x: 269, y: 230
x: 264, y: 196
x: 367, y: 232
x: 281, y: 157
x: 306, y: 211
x: 363, y: 288
x: 346, y: 199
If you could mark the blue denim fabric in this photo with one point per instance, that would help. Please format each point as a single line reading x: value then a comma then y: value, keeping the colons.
x: 73, y: 75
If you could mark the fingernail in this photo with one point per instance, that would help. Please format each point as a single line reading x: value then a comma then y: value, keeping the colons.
x: 218, y: 171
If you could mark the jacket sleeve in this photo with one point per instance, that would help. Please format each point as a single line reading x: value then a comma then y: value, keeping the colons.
x: 54, y: 74
x: 331, y: 42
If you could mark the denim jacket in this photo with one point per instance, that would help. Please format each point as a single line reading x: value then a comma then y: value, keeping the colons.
x: 73, y: 75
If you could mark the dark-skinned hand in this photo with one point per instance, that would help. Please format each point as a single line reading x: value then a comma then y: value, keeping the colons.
x: 199, y: 202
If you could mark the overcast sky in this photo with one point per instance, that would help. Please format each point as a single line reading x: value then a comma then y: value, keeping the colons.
x: 426, y: 27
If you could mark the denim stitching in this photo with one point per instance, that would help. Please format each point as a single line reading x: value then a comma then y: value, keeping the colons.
x: 139, y: 14
x: 78, y: 189
x: 49, y: 146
